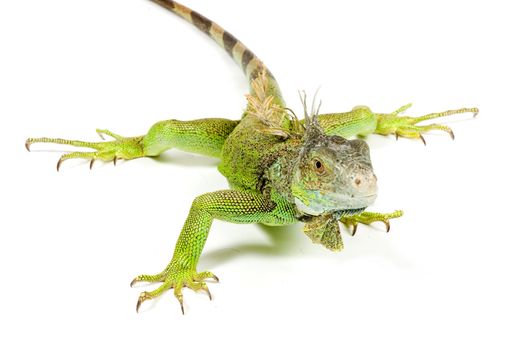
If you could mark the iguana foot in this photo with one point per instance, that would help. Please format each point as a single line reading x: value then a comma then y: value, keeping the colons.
x: 176, y: 278
x: 407, y: 126
x: 120, y: 148
x: 368, y: 218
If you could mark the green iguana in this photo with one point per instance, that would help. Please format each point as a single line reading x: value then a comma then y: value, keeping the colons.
x: 280, y: 169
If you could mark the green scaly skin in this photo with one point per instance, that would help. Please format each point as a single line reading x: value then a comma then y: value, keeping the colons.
x: 280, y: 172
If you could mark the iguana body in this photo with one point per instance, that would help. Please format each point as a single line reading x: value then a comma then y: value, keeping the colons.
x: 280, y: 170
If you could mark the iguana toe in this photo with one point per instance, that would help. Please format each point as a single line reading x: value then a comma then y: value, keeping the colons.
x: 177, y: 279
x: 408, y: 127
x: 120, y: 148
x: 368, y: 218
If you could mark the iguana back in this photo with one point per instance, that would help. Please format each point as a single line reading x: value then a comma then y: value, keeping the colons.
x: 250, y: 142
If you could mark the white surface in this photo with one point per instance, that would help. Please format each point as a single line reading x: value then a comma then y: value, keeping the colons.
x: 449, y: 275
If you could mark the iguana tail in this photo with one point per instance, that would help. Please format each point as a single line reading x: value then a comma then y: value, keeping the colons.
x: 251, y: 65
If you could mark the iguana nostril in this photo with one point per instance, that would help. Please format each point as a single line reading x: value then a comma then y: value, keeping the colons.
x: 357, y: 182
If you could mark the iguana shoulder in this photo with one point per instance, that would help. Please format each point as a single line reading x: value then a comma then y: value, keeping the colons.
x: 253, y: 145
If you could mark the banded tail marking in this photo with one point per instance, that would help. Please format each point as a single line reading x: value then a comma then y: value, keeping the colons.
x: 241, y: 54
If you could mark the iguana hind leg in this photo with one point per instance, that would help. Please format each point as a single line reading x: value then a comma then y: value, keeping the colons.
x: 202, y: 136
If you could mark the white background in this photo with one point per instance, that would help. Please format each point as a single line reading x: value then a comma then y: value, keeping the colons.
x: 450, y: 274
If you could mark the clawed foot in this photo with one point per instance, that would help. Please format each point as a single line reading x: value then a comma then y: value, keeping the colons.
x: 177, y: 279
x: 119, y: 148
x: 407, y: 126
x: 368, y: 218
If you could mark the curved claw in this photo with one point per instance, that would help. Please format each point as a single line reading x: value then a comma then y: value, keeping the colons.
x: 408, y: 126
x: 204, y: 276
x: 205, y: 288
x: 354, y: 228
x: 160, y: 277
x: 179, y: 297
x: 423, y: 139
x: 368, y: 218
x: 142, y: 297
x: 212, y: 276
x: 176, y: 282
x: 59, y: 163
x: 121, y: 148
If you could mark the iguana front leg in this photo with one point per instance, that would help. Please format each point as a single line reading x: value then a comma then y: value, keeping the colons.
x: 228, y: 205
x: 202, y: 136
x: 368, y: 218
x: 120, y: 148
x: 362, y: 121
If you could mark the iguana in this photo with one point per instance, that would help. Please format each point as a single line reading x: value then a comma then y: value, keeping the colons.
x: 280, y: 169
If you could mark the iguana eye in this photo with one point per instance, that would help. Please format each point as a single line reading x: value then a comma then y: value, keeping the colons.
x: 318, y: 166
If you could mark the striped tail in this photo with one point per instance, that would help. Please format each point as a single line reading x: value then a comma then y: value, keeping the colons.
x: 249, y: 63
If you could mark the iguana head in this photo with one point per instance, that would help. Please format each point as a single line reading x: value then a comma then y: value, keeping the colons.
x: 332, y: 174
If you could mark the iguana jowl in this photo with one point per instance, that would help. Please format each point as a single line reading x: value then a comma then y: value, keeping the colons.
x: 281, y: 170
